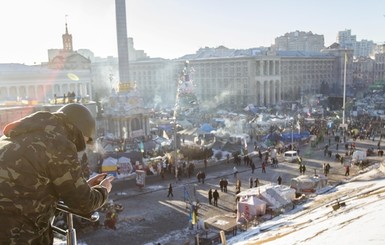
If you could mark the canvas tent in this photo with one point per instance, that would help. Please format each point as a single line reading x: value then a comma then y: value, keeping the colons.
x: 125, y: 166
x: 308, y: 184
x: 249, y: 207
x: 109, y: 166
x: 275, y: 196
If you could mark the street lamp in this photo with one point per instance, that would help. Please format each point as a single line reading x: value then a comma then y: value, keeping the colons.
x: 292, y: 136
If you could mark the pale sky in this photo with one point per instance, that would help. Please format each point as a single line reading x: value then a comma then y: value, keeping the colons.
x: 173, y: 28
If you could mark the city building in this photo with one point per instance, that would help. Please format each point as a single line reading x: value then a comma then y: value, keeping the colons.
x: 302, y: 73
x: 363, y: 48
x: 379, y: 69
x: 230, y: 78
x: 363, y: 71
x: 299, y: 41
x: 65, y: 72
x: 342, y: 67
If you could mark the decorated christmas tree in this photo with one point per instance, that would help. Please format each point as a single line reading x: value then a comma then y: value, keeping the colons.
x: 187, y: 105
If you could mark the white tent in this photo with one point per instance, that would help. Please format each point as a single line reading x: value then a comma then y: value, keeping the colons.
x: 125, y: 165
x: 276, y: 196
x: 308, y: 184
x: 249, y: 207
x: 109, y: 165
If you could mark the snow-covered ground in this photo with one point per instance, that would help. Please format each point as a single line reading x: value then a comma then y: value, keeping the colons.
x: 360, y: 219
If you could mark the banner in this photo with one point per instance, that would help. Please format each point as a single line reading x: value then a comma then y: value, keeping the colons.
x: 140, y: 178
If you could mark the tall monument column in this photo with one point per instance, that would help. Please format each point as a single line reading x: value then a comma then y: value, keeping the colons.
x: 121, y: 29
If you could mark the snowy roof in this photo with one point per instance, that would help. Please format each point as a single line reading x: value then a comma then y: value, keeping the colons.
x: 359, y: 219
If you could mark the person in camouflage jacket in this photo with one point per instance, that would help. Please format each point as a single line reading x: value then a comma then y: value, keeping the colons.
x: 39, y: 167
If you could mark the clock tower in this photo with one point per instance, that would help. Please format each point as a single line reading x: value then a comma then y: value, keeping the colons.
x: 67, y: 41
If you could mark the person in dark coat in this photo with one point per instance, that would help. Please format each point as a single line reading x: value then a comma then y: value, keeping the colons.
x: 170, y: 194
x: 252, y: 164
x: 221, y: 184
x: 225, y: 183
x: 251, y: 182
x: 279, y: 180
x: 216, y: 197
x: 256, y: 182
x: 347, y: 170
x: 210, y: 196
x: 263, y: 167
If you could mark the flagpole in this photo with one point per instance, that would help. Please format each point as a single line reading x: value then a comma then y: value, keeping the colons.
x: 344, y: 96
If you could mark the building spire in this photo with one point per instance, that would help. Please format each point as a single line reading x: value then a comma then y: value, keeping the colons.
x: 66, y: 24
x: 67, y: 38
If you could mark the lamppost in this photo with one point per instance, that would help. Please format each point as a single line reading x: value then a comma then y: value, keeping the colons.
x: 292, y: 136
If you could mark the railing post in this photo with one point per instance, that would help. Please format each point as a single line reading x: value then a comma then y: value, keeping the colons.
x: 71, y: 232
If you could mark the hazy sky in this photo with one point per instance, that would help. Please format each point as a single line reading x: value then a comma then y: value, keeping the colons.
x: 173, y: 28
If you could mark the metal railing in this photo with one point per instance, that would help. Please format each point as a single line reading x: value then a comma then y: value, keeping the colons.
x: 70, y: 232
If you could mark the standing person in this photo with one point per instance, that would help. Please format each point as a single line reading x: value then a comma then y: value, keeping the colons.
x: 225, y: 183
x: 199, y: 176
x: 347, y: 170
x: 324, y: 169
x: 238, y: 184
x: 256, y: 182
x: 170, y: 193
x: 263, y: 167
x: 111, y: 218
x: 221, y: 184
x: 237, y: 197
x: 327, y: 169
x: 203, y: 177
x: 279, y: 180
x: 251, y: 182
x: 216, y: 197
x: 210, y: 194
x: 302, y: 169
x: 235, y: 171
x: 252, y: 166
x: 40, y: 167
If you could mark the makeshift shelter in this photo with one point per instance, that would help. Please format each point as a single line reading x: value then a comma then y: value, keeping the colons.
x: 250, y: 207
x: 110, y: 166
x: 275, y: 196
x: 308, y: 184
x: 125, y: 165
x: 205, y: 128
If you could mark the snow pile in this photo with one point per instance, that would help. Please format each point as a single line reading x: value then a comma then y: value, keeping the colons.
x: 354, y: 213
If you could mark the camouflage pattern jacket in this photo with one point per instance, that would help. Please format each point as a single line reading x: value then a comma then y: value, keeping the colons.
x: 39, y: 166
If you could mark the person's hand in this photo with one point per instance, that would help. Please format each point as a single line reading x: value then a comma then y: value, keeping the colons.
x: 95, y: 180
x: 107, y: 183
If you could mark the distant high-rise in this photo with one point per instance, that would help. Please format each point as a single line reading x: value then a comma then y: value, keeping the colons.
x: 299, y: 41
x: 363, y: 48
x: 121, y: 29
